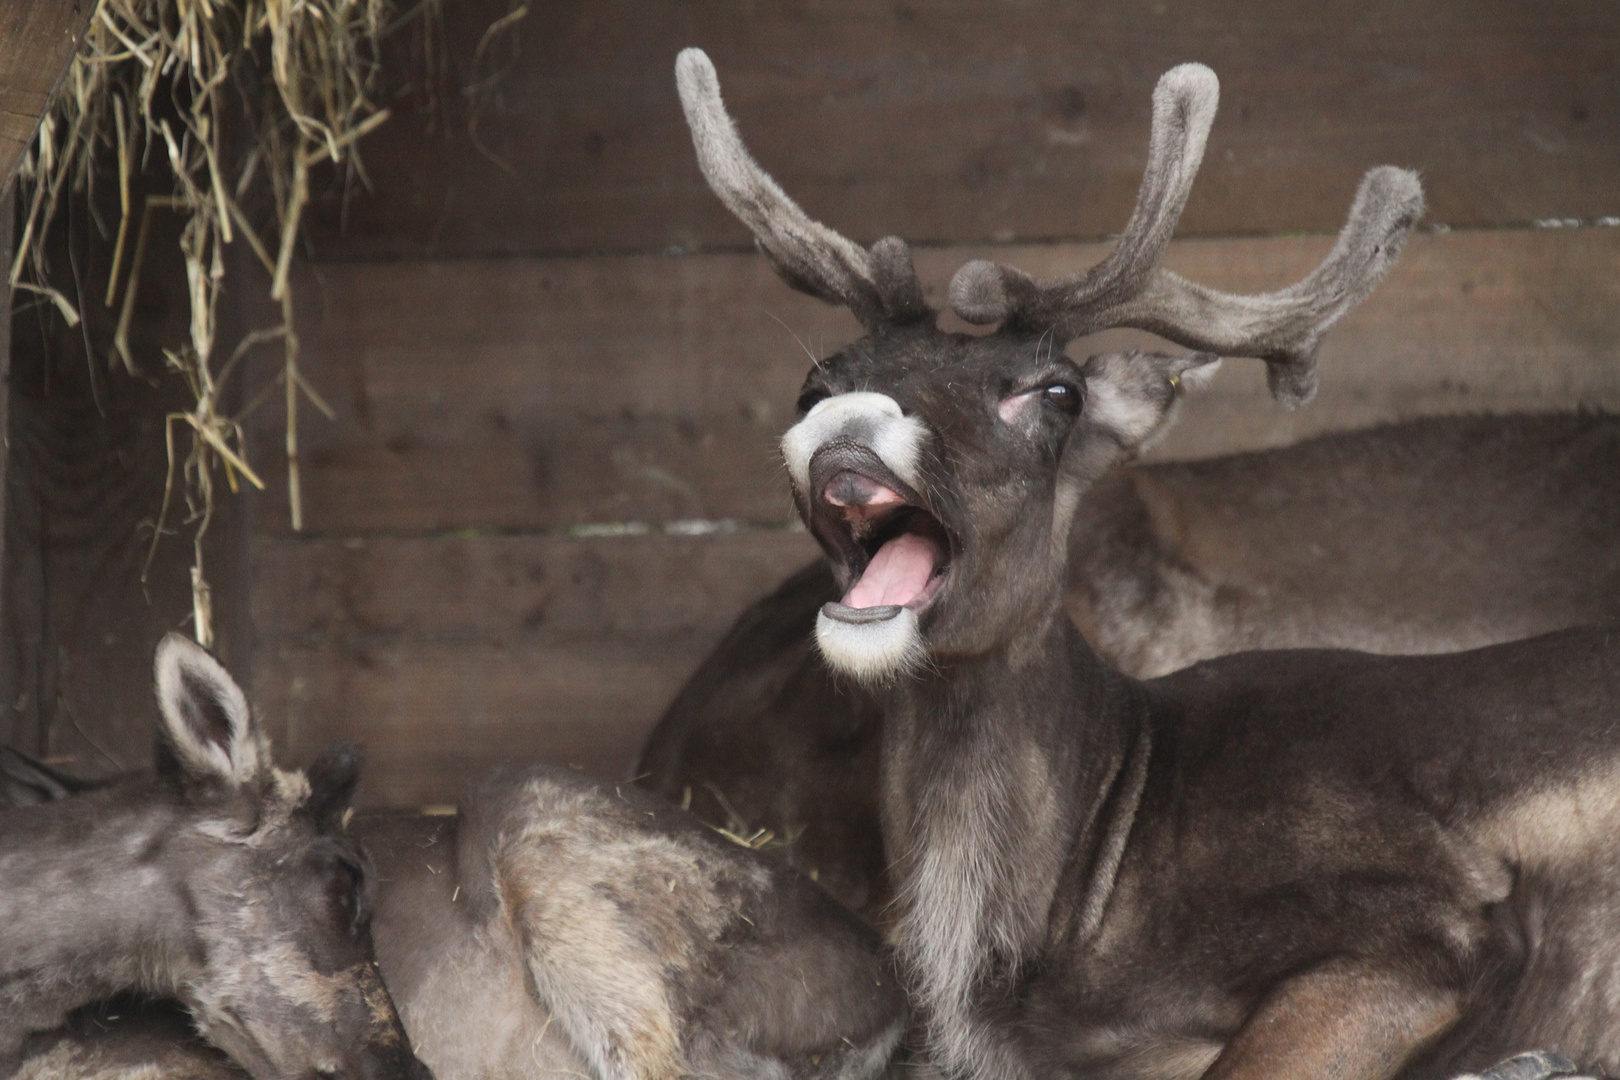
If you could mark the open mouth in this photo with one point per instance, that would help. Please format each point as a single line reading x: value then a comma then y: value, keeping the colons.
x: 894, y: 553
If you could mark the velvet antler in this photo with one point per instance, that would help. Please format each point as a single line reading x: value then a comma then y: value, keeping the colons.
x: 878, y: 284
x: 1129, y: 288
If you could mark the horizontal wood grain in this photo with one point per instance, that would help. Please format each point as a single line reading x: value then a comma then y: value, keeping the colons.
x: 447, y: 656
x: 37, y: 40
x: 979, y: 120
x: 502, y: 588
x: 435, y: 715
x: 536, y: 394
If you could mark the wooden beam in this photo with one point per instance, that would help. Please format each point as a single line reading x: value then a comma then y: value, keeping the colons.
x: 435, y: 716
x: 357, y: 590
x: 960, y: 121
x: 540, y: 395
x: 448, y: 656
x: 37, y: 40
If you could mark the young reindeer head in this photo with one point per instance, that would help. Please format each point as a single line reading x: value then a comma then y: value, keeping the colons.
x: 275, y: 959
x: 940, y: 471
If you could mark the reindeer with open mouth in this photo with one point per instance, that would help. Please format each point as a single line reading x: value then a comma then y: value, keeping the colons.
x: 1312, y: 864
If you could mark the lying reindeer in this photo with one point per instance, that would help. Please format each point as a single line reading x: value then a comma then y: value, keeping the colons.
x: 565, y: 927
x: 220, y: 880
x: 1428, y: 536
x: 1306, y: 863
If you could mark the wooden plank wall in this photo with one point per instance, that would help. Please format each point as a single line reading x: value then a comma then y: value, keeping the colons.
x: 971, y: 120
x: 37, y: 39
x: 559, y: 375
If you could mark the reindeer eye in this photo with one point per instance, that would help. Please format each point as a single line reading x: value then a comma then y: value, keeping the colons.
x: 1063, y: 396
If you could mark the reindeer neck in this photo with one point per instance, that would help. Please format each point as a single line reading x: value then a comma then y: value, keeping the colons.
x: 1001, y: 779
x: 1027, y: 738
x: 87, y: 906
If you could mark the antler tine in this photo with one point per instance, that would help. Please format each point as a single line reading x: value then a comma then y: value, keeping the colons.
x: 879, y: 284
x: 1184, y: 103
x: 1285, y: 327
x: 1129, y: 288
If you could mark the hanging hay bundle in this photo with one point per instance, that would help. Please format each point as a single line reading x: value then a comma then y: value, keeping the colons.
x: 172, y: 77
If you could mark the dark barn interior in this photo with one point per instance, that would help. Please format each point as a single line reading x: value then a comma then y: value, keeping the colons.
x: 558, y: 369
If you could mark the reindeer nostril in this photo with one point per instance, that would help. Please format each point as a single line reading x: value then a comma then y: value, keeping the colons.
x: 851, y: 489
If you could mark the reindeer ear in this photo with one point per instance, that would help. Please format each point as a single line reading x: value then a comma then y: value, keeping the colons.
x: 1133, y: 396
x: 206, y: 722
x: 332, y: 781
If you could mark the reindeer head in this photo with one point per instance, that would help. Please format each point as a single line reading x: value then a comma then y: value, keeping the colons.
x: 939, y: 471
x: 276, y: 963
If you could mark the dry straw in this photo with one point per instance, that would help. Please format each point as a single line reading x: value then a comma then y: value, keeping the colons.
x: 158, y: 76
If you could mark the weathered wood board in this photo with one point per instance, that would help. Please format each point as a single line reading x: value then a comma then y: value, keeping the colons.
x: 979, y: 120
x: 542, y: 394
x: 37, y: 39
x: 450, y: 655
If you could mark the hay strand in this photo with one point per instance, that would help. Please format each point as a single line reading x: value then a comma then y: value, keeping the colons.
x: 156, y: 74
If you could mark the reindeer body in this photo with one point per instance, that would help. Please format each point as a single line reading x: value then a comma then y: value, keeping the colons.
x: 560, y: 927
x: 459, y: 980
x: 1403, y: 863
x: 568, y: 927
x: 556, y: 927
x: 1311, y: 864
x: 1433, y: 535
x: 1130, y: 883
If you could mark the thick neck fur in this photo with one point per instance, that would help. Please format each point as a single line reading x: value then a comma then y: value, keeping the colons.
x: 86, y: 906
x: 998, y: 773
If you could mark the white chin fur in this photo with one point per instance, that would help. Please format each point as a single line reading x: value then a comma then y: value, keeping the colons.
x: 871, y: 652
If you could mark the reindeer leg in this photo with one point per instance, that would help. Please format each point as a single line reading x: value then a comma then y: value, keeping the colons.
x: 601, y: 980
x: 1343, y: 1020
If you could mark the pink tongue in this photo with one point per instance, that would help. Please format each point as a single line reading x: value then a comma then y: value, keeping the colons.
x: 897, y: 574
